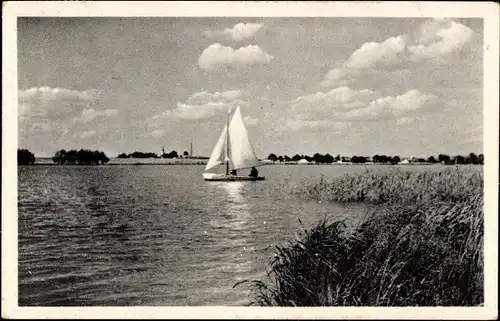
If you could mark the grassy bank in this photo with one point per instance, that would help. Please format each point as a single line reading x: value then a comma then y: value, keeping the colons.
x: 449, y: 185
x: 423, y: 247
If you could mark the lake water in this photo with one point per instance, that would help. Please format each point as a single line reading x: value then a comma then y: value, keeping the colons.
x: 157, y: 235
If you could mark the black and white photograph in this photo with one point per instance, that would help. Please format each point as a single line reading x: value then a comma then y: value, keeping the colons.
x: 233, y: 157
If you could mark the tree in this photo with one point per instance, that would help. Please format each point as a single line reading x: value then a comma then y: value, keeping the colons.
x: 25, y: 157
x: 103, y: 158
x: 395, y: 160
x: 280, y: 158
x: 318, y: 158
x: 81, y: 157
x: 431, y: 159
x: 472, y: 159
x: 481, y: 159
x: 358, y: 159
x: 459, y: 159
x: 286, y: 158
x: 444, y: 158
x: 185, y: 153
x: 59, y: 157
x: 272, y: 157
x: 172, y: 154
x: 123, y: 155
x: 296, y: 157
x: 70, y: 157
x: 328, y: 158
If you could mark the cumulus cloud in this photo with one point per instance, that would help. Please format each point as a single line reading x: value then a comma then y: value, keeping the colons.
x: 238, y: 32
x: 374, y: 54
x: 61, y: 116
x: 90, y: 114
x: 325, y: 105
x: 343, y: 105
x: 449, y: 36
x: 434, y: 40
x: 47, y: 101
x: 217, y: 56
x: 204, y: 105
x: 157, y: 133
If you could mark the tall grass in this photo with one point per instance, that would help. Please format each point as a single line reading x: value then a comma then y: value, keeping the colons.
x: 422, y: 248
x: 397, y: 186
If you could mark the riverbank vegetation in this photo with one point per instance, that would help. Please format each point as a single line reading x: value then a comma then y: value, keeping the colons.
x: 422, y: 245
x: 25, y: 157
x: 318, y: 158
x: 172, y: 154
x: 80, y: 157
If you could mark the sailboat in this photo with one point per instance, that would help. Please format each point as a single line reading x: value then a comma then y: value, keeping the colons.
x: 234, y: 150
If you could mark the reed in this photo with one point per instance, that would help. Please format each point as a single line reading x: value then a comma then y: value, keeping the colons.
x: 424, y: 247
x: 375, y: 186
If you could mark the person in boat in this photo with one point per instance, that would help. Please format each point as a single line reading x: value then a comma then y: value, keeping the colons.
x: 253, y: 172
x: 233, y: 172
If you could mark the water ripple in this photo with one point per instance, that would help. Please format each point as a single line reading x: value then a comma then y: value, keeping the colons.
x: 150, y: 235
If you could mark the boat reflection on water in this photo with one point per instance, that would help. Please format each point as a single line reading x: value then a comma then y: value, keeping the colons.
x: 238, y: 201
x: 235, y: 202
x: 234, y: 227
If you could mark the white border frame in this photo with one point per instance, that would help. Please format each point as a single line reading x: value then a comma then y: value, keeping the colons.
x: 489, y: 11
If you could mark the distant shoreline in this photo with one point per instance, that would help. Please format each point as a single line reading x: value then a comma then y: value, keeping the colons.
x: 184, y: 162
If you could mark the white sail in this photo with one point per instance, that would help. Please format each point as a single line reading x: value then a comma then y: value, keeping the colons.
x: 241, y: 153
x: 219, y: 153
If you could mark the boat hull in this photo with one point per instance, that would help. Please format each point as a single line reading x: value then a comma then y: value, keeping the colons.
x: 230, y: 178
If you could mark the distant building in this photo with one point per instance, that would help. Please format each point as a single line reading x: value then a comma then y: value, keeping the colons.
x: 303, y: 161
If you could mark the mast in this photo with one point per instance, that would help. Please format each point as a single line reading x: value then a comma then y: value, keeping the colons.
x: 227, y: 142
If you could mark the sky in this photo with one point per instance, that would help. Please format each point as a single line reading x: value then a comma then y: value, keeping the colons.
x: 348, y: 86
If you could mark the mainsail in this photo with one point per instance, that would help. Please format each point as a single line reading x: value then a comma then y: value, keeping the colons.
x: 242, y: 154
x: 238, y: 150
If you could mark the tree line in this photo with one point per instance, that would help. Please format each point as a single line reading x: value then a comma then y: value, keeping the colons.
x: 172, y: 154
x: 80, y: 157
x: 25, y: 157
x: 381, y: 159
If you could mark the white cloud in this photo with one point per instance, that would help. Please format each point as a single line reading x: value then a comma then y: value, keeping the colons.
x: 373, y: 54
x: 434, y: 41
x: 343, y: 105
x: 242, y: 31
x: 390, y: 106
x: 204, y: 105
x: 157, y: 133
x: 46, y: 93
x: 217, y: 56
x: 449, y: 37
x: 238, y: 32
x: 53, y: 102
x: 90, y: 114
